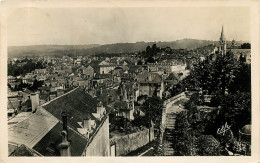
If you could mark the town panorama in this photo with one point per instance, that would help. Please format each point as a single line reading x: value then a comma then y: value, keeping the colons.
x: 182, y: 98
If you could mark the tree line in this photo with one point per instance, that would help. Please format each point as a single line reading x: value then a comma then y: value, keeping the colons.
x: 28, y: 65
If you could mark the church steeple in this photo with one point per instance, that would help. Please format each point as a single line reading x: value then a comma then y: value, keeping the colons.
x: 222, y: 35
x: 223, y: 43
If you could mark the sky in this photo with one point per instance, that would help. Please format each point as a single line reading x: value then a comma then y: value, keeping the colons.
x: 81, y: 26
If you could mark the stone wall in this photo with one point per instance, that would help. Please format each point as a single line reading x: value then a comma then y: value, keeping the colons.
x: 128, y: 143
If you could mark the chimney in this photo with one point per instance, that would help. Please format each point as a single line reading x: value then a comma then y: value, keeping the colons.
x: 35, y: 101
x: 87, y: 124
x: 65, y: 122
x: 20, y: 105
x: 100, y: 109
x: 87, y: 135
x: 65, y: 144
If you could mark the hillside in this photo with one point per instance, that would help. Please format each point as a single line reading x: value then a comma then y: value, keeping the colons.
x: 37, y: 50
x: 42, y: 50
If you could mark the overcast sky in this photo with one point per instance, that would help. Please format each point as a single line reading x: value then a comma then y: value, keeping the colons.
x: 64, y: 26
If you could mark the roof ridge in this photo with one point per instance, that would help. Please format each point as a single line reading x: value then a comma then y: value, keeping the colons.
x: 74, y: 131
x: 59, y: 97
x: 32, y: 150
x: 34, y: 141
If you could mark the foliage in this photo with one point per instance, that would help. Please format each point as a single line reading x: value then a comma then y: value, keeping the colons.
x: 152, y: 107
x: 208, y: 146
x: 229, y: 82
x: 241, y: 147
x: 150, y: 53
x: 234, y: 109
x: 27, y: 67
x: 181, y: 133
x: 242, y: 78
x: 21, y: 86
x: 221, y: 74
x: 141, y: 121
x: 36, y: 85
x: 246, y: 46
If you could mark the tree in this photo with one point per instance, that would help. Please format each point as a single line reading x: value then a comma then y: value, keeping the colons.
x: 183, y: 139
x: 148, y: 51
x: 242, y: 78
x: 154, y: 50
x: 246, y: 46
x: 150, y: 60
x: 152, y: 108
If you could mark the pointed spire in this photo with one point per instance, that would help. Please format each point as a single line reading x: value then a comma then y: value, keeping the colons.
x: 222, y: 36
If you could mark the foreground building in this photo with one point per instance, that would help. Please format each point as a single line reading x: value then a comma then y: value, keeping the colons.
x: 73, y: 119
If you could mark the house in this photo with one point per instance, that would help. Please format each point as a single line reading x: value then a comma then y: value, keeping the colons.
x: 88, y: 72
x: 150, y: 84
x: 101, y: 79
x: 40, y: 71
x: 108, y: 95
x: 72, y: 124
x: 106, y: 69
x: 118, y: 71
x: 41, y: 77
x: 81, y: 83
x: 129, y: 91
x: 124, y: 109
x: 172, y: 79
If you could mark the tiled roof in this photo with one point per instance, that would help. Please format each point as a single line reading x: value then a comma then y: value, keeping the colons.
x: 22, y: 150
x: 121, y: 105
x: 31, y: 130
x: 18, y: 118
x: 40, y: 131
x: 76, y: 103
x: 149, y: 78
x: 130, y: 87
x: 172, y: 76
x: 27, y: 103
x: 13, y: 103
x: 48, y: 145
x: 102, y: 76
x: 95, y: 62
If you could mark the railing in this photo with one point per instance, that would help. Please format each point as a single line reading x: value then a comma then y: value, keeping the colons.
x: 183, y: 94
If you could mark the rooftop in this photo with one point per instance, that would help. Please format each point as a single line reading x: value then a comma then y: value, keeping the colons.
x: 149, y: 78
x: 32, y: 129
x: 76, y: 103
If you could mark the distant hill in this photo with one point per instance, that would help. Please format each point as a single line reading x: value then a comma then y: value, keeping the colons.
x: 41, y: 50
x: 37, y: 50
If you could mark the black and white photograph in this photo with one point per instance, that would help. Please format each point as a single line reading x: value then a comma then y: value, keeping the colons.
x: 125, y: 81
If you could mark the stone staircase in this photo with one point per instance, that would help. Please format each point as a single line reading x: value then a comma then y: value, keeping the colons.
x: 172, y: 108
x: 170, y: 121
